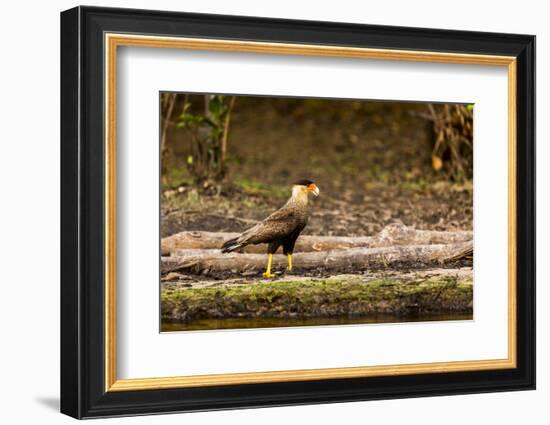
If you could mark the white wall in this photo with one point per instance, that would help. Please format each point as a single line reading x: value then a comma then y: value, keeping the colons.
x: 29, y: 213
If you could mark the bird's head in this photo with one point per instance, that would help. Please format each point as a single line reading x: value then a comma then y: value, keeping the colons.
x: 305, y: 186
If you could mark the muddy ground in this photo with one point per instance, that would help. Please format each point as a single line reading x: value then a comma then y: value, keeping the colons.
x: 371, y: 160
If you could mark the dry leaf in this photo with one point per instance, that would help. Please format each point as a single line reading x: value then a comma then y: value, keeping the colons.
x: 437, y: 163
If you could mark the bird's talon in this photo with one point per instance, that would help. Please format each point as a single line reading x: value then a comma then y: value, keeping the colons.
x: 268, y: 275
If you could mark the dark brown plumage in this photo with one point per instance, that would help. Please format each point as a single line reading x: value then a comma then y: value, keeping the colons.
x: 281, y: 228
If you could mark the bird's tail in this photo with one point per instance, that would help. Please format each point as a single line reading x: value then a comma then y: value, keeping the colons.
x: 231, y: 245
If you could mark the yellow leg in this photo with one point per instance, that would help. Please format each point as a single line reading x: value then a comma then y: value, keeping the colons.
x: 289, y: 256
x: 269, y: 262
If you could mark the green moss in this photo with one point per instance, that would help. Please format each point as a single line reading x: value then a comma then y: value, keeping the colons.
x: 319, y: 298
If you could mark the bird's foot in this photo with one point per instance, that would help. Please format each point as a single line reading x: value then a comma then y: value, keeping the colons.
x: 268, y: 275
x: 289, y: 269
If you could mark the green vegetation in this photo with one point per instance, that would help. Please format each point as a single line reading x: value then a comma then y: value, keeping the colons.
x: 175, y: 177
x: 209, y: 133
x: 254, y: 187
x: 208, y: 141
x: 331, y: 297
x: 192, y: 199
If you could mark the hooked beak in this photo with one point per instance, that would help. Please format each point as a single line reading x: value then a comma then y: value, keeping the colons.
x: 313, y: 189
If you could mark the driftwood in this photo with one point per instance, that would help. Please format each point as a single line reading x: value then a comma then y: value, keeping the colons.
x: 393, y: 234
x: 207, y: 260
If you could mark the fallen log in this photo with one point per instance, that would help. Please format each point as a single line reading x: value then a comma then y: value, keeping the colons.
x: 212, y: 240
x: 176, y: 280
x: 208, y: 260
x: 393, y: 234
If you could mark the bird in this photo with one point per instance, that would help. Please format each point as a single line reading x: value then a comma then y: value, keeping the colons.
x: 282, y: 227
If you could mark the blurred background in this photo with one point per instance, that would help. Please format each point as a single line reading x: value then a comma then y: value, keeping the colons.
x: 228, y: 161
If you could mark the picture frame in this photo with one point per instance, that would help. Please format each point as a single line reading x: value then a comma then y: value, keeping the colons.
x: 90, y: 40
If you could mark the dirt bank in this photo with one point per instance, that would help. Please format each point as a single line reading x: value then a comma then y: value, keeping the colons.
x: 352, y: 296
x: 372, y: 162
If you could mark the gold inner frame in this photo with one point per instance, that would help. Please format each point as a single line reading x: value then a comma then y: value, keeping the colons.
x: 113, y: 41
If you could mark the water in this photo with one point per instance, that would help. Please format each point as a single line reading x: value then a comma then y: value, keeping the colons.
x: 241, y: 323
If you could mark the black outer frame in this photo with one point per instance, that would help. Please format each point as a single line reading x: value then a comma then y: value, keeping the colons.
x: 82, y: 212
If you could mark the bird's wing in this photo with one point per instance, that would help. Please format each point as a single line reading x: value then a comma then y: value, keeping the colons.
x: 277, y: 225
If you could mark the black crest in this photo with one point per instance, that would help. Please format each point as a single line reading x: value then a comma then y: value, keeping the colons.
x: 303, y: 182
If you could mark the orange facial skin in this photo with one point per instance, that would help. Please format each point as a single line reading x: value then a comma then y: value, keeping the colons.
x: 313, y: 188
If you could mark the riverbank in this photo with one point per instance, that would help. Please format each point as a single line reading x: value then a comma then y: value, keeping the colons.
x: 359, y: 297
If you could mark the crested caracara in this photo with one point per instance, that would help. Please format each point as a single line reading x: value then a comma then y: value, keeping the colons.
x: 281, y: 228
